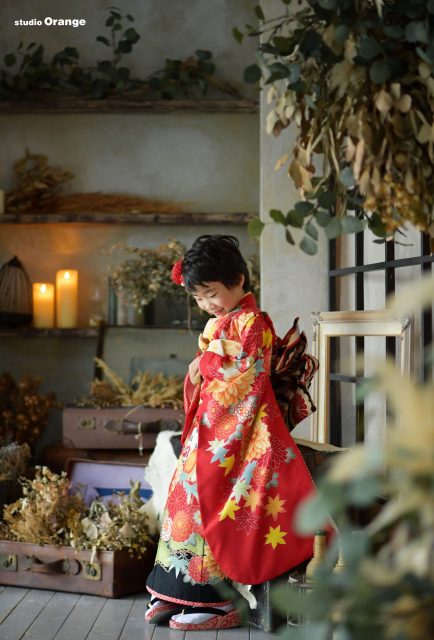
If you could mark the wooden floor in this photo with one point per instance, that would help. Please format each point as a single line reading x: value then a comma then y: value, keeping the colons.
x: 36, y: 614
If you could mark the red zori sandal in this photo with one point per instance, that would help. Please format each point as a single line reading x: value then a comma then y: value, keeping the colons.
x: 161, y: 611
x: 192, y: 619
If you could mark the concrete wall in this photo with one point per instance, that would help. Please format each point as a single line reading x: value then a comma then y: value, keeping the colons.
x: 293, y: 284
x: 209, y: 162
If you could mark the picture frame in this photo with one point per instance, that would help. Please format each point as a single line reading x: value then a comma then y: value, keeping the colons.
x: 337, y: 324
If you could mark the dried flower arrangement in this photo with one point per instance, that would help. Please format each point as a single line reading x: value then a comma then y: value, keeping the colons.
x: 147, y: 273
x: 51, y: 513
x: 146, y: 389
x: 23, y: 410
x: 38, y: 190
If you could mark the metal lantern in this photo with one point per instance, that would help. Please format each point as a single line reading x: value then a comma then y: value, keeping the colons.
x: 15, y: 294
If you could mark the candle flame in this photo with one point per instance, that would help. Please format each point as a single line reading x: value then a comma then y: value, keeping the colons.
x: 67, y: 275
x: 43, y: 288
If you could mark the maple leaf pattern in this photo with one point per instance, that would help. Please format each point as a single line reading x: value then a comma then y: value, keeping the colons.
x: 275, y: 536
x: 247, y: 521
x: 275, y: 507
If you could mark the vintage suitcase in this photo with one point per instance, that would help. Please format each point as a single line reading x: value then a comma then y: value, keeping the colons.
x: 109, y: 573
x: 117, y: 427
x: 55, y: 456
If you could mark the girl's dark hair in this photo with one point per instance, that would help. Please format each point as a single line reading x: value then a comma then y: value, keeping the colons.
x: 215, y: 259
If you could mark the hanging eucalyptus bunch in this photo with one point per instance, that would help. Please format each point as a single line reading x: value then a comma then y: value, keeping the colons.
x: 356, y: 78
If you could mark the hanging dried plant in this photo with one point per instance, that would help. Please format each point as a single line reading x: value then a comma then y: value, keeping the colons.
x: 356, y: 78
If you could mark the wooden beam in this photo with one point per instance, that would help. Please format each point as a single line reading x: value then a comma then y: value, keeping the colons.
x: 235, y: 218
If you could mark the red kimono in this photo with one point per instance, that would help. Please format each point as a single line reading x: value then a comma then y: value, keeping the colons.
x: 240, y: 476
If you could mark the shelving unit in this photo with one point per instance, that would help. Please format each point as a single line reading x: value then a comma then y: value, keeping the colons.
x: 77, y: 104
x: 179, y: 218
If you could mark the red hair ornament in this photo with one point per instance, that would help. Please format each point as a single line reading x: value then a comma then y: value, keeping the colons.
x: 176, y: 274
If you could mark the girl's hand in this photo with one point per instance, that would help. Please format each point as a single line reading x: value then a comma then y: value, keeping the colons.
x: 194, y: 372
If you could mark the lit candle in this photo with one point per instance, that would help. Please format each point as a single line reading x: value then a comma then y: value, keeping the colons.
x: 66, y: 298
x: 43, y: 305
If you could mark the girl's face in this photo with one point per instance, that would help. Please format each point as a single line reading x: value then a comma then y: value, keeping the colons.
x: 216, y: 299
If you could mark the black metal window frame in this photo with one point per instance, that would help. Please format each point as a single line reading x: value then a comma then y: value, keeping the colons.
x: 389, y: 266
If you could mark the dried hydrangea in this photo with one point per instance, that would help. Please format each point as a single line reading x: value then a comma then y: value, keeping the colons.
x: 50, y: 513
x: 147, y: 273
x: 23, y: 410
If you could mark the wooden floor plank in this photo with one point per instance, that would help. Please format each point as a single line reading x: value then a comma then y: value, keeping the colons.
x: 134, y: 626
x: 9, y: 598
x: 52, y: 617
x: 164, y: 632
x: 20, y: 619
x: 82, y: 618
x: 111, y: 620
x: 238, y: 633
x: 201, y: 635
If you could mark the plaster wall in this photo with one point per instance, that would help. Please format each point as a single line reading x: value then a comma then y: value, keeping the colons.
x: 293, y: 284
x: 206, y: 162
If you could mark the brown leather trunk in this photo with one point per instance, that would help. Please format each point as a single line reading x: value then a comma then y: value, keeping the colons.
x: 110, y: 573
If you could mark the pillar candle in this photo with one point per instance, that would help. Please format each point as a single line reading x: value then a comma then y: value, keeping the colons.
x: 66, y: 298
x: 2, y: 201
x: 43, y: 305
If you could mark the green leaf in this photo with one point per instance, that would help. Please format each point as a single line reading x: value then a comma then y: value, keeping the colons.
x: 393, y: 31
x: 350, y: 224
x: 9, y: 59
x: 252, y: 74
x: 328, y: 4
x: 379, y: 72
x: 288, y: 237
x: 304, y: 208
x: 430, y: 6
x: 278, y: 216
x: 309, y: 246
x: 294, y: 219
x: 310, y: 42
x: 203, y: 54
x: 347, y: 177
x: 237, y: 35
x: 311, y: 230
x: 369, y: 48
x: 284, y: 46
x: 326, y: 199
x: 323, y: 218
x: 417, y: 31
x: 104, y: 40
x: 255, y: 227
x: 363, y: 491
x: 333, y: 229
x: 341, y: 33
x: 131, y: 35
x: 259, y: 13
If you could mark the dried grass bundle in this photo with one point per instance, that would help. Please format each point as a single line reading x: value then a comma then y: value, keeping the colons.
x: 37, y: 184
x: 108, y: 203
x: 147, y: 389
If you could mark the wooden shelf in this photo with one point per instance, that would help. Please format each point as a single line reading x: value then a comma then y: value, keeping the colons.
x: 31, y: 332
x: 74, y: 104
x: 128, y: 218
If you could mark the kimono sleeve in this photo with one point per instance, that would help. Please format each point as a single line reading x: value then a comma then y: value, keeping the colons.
x: 236, y: 365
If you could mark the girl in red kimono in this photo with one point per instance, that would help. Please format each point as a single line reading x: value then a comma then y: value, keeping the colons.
x: 240, y: 477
